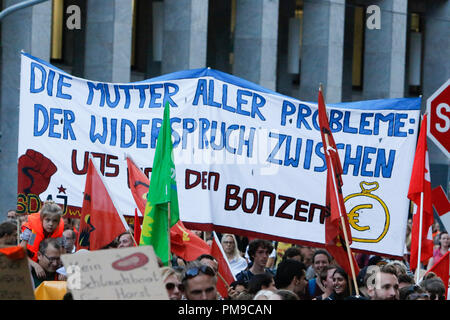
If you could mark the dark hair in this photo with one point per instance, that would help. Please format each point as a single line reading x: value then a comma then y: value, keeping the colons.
x: 49, y: 241
x: 7, y: 228
x: 405, y: 292
x: 292, y: 252
x: 323, y: 275
x: 255, y: 244
x: 405, y: 278
x: 287, y: 270
x: 241, y: 282
x: 258, y: 280
x: 440, y: 236
x: 344, y: 274
x: 435, y: 287
x: 322, y: 251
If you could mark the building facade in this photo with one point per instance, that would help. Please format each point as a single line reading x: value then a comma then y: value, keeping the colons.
x: 358, y: 50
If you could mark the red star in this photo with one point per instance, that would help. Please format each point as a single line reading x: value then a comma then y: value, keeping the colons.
x: 62, y: 189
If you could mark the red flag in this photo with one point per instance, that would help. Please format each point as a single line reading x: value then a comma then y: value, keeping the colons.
x: 420, y: 187
x: 440, y: 201
x: 100, y: 222
x: 442, y: 268
x: 225, y: 277
x: 137, y: 227
x: 185, y: 244
x: 138, y: 183
x: 334, y: 232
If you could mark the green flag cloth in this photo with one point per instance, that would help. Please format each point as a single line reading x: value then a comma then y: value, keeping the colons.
x: 162, y: 190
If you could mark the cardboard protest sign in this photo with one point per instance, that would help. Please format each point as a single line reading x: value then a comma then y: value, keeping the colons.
x: 15, y: 276
x: 114, y: 274
x: 248, y: 160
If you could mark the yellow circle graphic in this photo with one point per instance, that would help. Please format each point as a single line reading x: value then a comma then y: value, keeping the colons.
x: 368, y: 214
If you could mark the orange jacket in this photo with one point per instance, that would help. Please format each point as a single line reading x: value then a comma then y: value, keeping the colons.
x: 34, y: 223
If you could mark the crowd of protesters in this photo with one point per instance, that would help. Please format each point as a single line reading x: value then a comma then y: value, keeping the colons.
x: 264, y: 270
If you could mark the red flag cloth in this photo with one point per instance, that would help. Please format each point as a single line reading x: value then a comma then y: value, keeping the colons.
x: 421, y: 183
x: 185, y: 244
x: 442, y: 269
x: 337, y: 215
x: 137, y: 227
x: 440, y: 201
x: 225, y: 277
x: 100, y: 222
x: 138, y: 183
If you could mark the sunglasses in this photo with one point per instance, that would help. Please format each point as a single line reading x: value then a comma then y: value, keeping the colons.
x: 195, y: 271
x: 170, y: 286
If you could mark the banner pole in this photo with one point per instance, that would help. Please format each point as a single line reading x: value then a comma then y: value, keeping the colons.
x: 168, y: 233
x: 419, y: 249
x: 344, y: 229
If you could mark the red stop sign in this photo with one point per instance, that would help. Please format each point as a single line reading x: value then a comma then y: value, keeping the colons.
x: 438, y: 108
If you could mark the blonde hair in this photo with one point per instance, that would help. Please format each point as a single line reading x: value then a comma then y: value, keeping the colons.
x: 51, y: 209
x: 167, y: 272
x: 236, y: 252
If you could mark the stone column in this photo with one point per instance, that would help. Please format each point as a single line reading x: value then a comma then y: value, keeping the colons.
x: 385, y: 52
x: 29, y: 30
x: 322, y: 49
x: 436, y: 71
x: 255, y: 41
x: 185, y: 35
x: 108, y: 41
x: 436, y: 63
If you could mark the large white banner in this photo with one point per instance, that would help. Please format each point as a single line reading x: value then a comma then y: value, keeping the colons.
x: 248, y: 160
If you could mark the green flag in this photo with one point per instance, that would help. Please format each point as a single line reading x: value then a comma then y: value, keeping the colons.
x: 162, y: 190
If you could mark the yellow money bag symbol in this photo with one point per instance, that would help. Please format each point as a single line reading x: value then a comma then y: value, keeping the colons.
x: 366, y: 201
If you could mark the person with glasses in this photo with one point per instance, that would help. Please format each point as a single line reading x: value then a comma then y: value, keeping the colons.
x: 230, y: 246
x: 199, y: 282
x: 49, y: 260
x: 172, y: 282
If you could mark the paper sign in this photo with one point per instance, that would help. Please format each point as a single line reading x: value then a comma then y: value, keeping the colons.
x: 115, y: 274
x: 15, y: 279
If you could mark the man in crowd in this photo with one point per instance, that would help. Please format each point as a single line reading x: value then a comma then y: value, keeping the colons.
x: 49, y: 260
x: 321, y: 259
x: 69, y: 240
x: 382, y: 284
x: 291, y: 276
x: 259, y: 251
x: 8, y: 234
x: 199, y: 282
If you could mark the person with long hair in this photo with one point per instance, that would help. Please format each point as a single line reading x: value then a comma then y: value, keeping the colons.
x: 444, y: 244
x: 341, y: 285
x: 230, y: 247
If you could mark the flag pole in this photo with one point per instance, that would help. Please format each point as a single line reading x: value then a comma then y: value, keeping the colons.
x: 132, y: 237
x: 344, y: 229
x: 419, y: 253
x: 224, y: 281
x: 168, y: 233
